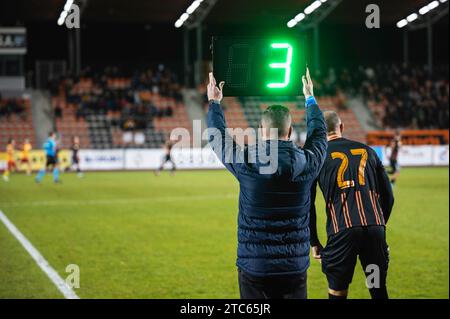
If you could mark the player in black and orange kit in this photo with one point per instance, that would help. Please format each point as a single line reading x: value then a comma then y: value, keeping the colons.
x: 359, y: 201
x: 396, y: 143
x: 167, y: 158
x: 75, y: 156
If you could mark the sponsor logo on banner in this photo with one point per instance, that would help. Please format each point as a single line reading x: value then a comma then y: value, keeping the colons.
x: 102, y: 159
x: 441, y: 156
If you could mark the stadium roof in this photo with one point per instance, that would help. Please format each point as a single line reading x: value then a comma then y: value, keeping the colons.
x: 252, y: 12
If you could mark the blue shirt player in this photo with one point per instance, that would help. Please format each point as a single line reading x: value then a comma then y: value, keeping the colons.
x: 51, y: 160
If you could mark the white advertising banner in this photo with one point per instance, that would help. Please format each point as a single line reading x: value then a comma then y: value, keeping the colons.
x: 136, y: 159
x: 197, y: 158
x: 205, y: 158
x: 102, y: 159
x: 440, y: 155
x: 425, y: 155
x: 416, y: 156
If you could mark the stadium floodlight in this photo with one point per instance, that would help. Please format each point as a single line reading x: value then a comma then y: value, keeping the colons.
x: 65, y: 12
x: 432, y: 5
x: 412, y: 17
x: 402, y: 23
x: 312, y: 7
x: 184, y: 17
x: 68, y: 5
x: 299, y: 17
x: 424, y: 10
x: 193, y: 7
x: 178, y: 23
x: 302, y: 15
x: 292, y: 23
x: 189, y: 11
x: 60, y: 21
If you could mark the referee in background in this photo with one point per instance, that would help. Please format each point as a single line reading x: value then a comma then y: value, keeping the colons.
x: 359, y: 201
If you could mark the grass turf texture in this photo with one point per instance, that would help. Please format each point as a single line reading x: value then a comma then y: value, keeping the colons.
x: 135, y: 235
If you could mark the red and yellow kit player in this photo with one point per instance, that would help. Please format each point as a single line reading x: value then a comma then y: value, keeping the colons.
x: 11, y: 163
x: 25, y: 159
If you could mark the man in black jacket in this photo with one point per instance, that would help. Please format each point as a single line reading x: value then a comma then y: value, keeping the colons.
x: 359, y: 201
x: 274, y: 200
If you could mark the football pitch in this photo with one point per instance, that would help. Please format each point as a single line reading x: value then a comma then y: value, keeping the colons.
x: 136, y: 235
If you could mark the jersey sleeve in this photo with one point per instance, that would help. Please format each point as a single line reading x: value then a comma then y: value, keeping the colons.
x: 222, y: 143
x: 384, y: 189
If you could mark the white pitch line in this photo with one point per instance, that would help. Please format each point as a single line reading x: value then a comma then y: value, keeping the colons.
x: 39, y: 259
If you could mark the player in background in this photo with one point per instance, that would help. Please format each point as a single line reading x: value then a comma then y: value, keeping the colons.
x: 51, y: 163
x: 75, y: 156
x: 395, y: 145
x: 25, y: 159
x: 10, y: 161
x: 359, y: 200
x: 167, y: 158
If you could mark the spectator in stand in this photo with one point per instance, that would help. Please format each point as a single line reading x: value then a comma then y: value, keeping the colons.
x: 58, y: 111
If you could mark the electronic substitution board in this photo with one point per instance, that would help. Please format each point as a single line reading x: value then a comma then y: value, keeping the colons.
x: 258, y: 66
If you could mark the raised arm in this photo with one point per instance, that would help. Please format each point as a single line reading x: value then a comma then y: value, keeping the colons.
x: 316, y: 140
x: 221, y: 142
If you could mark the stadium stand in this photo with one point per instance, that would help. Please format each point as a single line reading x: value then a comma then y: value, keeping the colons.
x: 16, y: 120
x: 246, y: 112
x: 113, y: 110
x: 407, y: 97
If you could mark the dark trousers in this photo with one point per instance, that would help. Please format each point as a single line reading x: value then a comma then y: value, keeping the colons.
x: 272, y: 287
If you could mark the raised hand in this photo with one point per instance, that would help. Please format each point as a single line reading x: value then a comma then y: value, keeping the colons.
x: 308, y: 88
x: 214, y: 92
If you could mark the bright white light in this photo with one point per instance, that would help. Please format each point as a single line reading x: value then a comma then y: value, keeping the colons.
x: 433, y: 5
x: 323, y: 1
x: 63, y: 15
x: 178, y: 23
x: 412, y: 17
x: 424, y: 10
x: 68, y: 5
x: 65, y: 12
x: 193, y: 7
x: 292, y: 23
x: 313, y: 6
x: 190, y: 10
x: 443, y: 1
x: 299, y: 17
x: 402, y: 23
x: 184, y: 17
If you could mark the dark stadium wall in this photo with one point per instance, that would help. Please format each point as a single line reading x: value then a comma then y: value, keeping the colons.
x: 137, y: 45
x: 102, y: 44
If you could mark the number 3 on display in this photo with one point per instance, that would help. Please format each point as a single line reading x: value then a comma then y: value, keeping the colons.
x: 285, y: 65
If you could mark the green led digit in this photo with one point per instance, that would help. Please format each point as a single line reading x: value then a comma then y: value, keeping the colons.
x: 285, y: 65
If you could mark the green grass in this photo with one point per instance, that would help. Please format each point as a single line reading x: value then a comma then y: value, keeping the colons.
x: 135, y: 235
